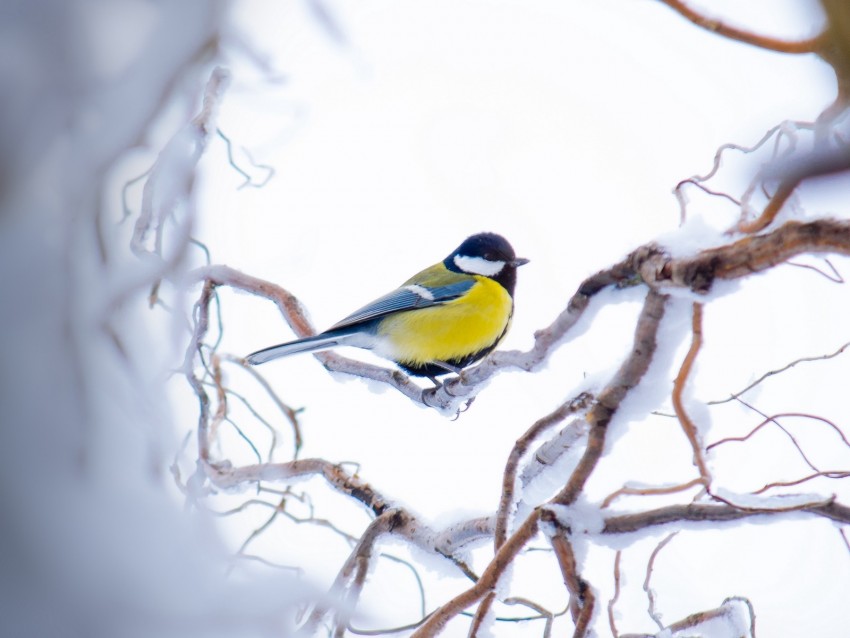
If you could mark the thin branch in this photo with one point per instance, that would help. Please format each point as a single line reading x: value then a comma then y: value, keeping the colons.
x: 249, y: 181
x: 481, y: 615
x: 264, y: 561
x: 649, y: 491
x: 290, y: 414
x: 779, y: 371
x: 244, y: 401
x: 582, y: 598
x: 844, y: 538
x: 833, y: 474
x: 650, y: 593
x: 791, y: 173
x: 772, y: 419
x: 613, y: 600
x: 685, y: 420
x: 544, y: 613
x: 125, y: 205
x: 778, y: 132
x: 385, y: 630
x: 278, y: 509
x: 694, y: 181
x: 835, y: 277
x: 419, y: 584
x: 785, y: 189
x: 809, y: 45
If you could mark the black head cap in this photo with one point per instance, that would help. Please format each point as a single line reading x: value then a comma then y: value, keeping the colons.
x: 487, y: 254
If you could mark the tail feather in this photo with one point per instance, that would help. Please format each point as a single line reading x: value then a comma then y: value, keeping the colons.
x: 308, y: 344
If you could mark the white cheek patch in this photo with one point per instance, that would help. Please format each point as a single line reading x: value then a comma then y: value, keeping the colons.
x: 420, y: 291
x: 478, y: 265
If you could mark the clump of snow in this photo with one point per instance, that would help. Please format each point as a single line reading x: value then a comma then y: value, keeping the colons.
x: 778, y: 502
x: 582, y: 517
x: 692, y: 237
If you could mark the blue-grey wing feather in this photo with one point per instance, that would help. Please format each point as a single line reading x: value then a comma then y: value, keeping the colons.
x: 404, y: 299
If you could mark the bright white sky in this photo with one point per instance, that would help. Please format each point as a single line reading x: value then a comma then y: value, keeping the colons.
x: 564, y: 126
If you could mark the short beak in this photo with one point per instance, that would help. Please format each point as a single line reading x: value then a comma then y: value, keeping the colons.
x: 519, y: 261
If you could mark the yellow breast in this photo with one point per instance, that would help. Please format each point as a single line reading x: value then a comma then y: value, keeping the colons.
x: 451, y: 331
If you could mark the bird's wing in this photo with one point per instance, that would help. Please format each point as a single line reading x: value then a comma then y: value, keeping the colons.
x: 408, y: 297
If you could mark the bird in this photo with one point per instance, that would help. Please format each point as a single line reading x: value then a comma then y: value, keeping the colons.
x: 439, y: 321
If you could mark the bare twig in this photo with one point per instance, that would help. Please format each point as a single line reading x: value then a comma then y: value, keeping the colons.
x: 696, y: 182
x: 650, y: 491
x: 582, y: 598
x: 835, y: 277
x: 481, y: 615
x: 544, y: 613
x: 779, y: 371
x: 791, y: 173
x: 773, y: 419
x: 613, y: 601
x: 844, y: 537
x: 785, y: 189
x: 249, y: 181
x: 244, y: 401
x: 289, y: 413
x: 650, y: 566
x: 809, y: 45
x: 834, y: 474
x: 685, y: 420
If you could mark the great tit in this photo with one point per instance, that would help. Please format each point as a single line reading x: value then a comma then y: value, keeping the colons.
x: 439, y: 321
